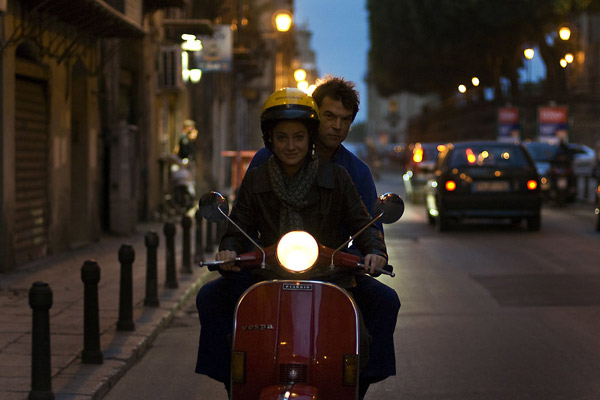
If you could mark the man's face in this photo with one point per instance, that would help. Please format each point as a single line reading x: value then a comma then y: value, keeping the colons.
x: 335, y: 121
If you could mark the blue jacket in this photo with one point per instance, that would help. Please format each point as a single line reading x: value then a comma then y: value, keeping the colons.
x: 357, y: 169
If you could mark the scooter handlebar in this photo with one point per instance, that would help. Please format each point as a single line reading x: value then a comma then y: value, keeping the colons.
x: 387, y: 270
x: 216, y: 265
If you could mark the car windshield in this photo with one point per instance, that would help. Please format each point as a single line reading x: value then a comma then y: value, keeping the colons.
x: 541, y: 151
x: 496, y: 156
x: 430, y: 152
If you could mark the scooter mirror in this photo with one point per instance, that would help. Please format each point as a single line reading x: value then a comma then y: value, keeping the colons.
x: 210, y: 204
x: 392, y: 207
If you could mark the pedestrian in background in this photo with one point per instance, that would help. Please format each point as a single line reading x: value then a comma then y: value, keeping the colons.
x: 186, y: 142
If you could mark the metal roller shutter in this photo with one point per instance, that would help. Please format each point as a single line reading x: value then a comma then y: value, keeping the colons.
x: 31, y: 170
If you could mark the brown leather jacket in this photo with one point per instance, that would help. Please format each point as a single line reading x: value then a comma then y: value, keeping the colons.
x: 334, y: 212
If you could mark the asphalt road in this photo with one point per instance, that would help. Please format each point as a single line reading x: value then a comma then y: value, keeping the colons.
x: 489, y: 312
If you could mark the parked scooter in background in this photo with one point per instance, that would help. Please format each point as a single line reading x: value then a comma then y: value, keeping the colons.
x: 296, y: 336
x: 177, y: 184
x: 563, y: 188
x: 563, y: 185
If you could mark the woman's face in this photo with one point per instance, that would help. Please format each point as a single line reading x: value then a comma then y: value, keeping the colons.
x: 290, y: 144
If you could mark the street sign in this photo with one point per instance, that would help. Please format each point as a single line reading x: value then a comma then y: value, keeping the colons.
x: 217, y: 50
x: 509, y: 127
x: 552, y: 123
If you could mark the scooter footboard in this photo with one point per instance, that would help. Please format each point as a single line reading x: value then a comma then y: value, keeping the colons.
x: 295, y: 332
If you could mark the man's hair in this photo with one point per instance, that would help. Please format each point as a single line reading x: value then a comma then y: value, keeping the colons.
x: 338, y: 88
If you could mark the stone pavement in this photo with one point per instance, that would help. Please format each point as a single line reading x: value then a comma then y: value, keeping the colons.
x: 71, y: 379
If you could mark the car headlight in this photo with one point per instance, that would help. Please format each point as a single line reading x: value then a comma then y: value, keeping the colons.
x: 297, y: 251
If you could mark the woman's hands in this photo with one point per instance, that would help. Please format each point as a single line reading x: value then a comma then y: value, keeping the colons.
x: 373, y: 261
x: 227, y: 255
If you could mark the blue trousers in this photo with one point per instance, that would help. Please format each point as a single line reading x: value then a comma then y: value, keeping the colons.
x: 216, y: 301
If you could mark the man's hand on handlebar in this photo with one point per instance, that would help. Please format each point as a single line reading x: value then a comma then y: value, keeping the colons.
x: 373, y: 261
x: 225, y: 255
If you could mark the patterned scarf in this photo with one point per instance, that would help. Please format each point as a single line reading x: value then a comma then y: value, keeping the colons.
x: 292, y: 191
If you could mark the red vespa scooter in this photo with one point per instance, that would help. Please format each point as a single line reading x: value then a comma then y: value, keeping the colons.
x: 296, y: 336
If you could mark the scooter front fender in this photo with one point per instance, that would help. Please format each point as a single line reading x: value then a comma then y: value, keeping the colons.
x: 300, y: 332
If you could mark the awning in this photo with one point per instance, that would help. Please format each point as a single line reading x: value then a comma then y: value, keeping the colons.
x: 95, y: 17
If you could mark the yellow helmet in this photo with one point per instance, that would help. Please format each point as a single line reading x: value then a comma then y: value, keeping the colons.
x: 289, y: 104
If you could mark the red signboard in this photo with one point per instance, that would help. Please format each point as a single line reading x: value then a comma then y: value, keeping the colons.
x: 553, y: 123
x: 509, y: 128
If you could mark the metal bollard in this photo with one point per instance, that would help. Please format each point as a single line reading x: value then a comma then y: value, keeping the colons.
x: 199, y: 256
x: 90, y: 275
x: 186, y: 258
x: 126, y: 258
x: 40, y: 301
x: 169, y: 231
x: 151, y: 299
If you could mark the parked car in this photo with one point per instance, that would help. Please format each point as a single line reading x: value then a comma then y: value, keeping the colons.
x: 542, y: 154
x: 584, y: 159
x: 419, y: 169
x: 484, y: 180
x: 597, y: 208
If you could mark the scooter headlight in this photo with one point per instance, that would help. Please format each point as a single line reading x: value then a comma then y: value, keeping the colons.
x: 297, y: 251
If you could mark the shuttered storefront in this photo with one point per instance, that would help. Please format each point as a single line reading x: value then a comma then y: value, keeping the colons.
x: 31, y: 170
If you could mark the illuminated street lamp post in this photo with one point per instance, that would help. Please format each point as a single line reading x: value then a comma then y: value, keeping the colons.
x: 282, y: 20
x: 529, y: 53
x: 564, y: 33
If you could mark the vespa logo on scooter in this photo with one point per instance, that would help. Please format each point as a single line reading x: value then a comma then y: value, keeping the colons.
x: 297, y: 286
x: 258, y: 327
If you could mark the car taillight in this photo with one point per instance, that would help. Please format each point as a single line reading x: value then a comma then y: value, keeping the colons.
x: 471, y: 158
x: 532, y: 184
x: 418, y: 155
x: 450, y: 186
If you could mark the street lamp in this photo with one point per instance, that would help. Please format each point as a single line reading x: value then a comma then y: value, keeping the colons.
x: 529, y: 53
x: 299, y: 75
x: 303, y: 85
x: 563, y: 63
x: 564, y: 33
x: 282, y: 19
x: 282, y: 22
x: 569, y: 58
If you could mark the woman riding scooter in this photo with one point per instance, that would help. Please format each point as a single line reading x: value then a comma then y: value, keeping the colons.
x: 294, y: 190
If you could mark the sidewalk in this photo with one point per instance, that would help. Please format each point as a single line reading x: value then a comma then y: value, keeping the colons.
x: 70, y: 378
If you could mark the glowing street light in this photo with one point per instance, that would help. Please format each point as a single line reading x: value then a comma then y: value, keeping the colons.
x: 195, y: 75
x: 529, y: 53
x: 462, y: 88
x: 569, y: 58
x: 475, y: 81
x: 190, y: 43
x: 303, y: 85
x: 299, y: 75
x: 564, y: 33
x: 283, y: 20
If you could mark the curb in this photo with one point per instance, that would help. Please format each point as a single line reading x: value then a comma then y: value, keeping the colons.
x: 146, y: 343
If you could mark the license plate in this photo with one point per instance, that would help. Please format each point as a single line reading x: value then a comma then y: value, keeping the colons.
x: 562, y: 182
x: 491, y: 186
